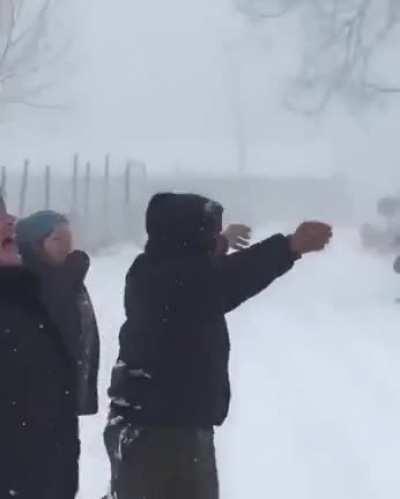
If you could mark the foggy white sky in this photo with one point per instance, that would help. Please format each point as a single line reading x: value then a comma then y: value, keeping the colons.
x: 164, y: 71
x: 158, y: 66
x: 153, y: 80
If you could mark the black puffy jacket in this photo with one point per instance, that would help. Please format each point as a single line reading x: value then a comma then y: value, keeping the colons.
x: 37, y: 387
x: 174, y: 346
x: 68, y: 302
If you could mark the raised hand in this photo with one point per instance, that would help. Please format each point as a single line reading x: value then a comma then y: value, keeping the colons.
x: 238, y: 236
x: 310, y: 237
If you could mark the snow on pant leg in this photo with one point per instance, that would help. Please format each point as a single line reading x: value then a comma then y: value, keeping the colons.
x: 142, y: 464
x: 161, y: 463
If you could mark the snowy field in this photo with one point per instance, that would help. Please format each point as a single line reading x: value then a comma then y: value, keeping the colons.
x: 316, y: 381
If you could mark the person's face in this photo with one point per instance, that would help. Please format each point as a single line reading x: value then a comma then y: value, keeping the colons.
x: 58, y: 245
x: 9, y: 254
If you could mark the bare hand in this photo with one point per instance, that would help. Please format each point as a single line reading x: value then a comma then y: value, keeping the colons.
x: 310, y: 236
x: 238, y: 236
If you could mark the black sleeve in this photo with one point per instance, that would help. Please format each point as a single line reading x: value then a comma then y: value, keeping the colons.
x: 198, y: 288
x: 76, y: 267
x: 244, y: 274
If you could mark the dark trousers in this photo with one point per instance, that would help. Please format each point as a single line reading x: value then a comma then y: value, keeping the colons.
x: 41, y: 464
x: 63, y: 468
x: 161, y: 463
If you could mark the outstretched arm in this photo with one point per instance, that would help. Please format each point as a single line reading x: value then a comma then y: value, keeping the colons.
x: 244, y: 274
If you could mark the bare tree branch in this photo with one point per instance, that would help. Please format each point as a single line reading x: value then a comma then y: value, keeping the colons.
x: 38, y: 21
x: 36, y: 105
x: 24, y: 58
x: 10, y: 31
x: 382, y: 89
x: 342, y: 46
x: 259, y: 9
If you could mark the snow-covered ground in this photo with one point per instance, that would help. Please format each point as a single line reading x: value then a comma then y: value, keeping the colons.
x: 316, y: 381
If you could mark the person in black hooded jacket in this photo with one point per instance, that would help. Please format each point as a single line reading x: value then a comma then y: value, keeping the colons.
x: 45, y: 243
x: 170, y: 385
x: 38, y: 429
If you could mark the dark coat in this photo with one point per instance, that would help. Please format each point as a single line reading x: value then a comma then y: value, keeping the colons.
x: 37, y: 389
x: 68, y: 302
x: 174, y: 346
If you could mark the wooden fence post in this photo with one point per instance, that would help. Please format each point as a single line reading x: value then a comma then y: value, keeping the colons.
x: 24, y: 188
x: 143, y: 171
x: 128, y: 176
x: 87, y: 191
x: 105, y: 227
x: 75, y: 180
x: 47, y: 193
x: 4, y: 182
x: 106, y: 187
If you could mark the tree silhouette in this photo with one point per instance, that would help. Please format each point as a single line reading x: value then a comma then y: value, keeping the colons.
x: 26, y: 54
x: 344, y: 39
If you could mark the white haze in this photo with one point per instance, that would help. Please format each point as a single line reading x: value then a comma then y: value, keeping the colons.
x: 154, y: 80
x: 315, y: 364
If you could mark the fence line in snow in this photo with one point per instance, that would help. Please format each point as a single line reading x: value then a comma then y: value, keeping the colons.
x: 107, y: 204
x: 99, y: 204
